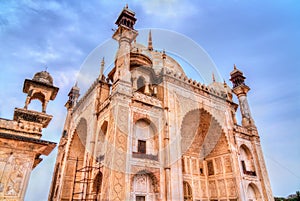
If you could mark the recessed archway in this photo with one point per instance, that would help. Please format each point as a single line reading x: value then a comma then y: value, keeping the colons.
x: 253, y: 193
x: 144, y: 186
x: 200, y: 133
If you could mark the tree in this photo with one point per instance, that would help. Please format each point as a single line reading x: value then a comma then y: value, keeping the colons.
x: 298, y: 195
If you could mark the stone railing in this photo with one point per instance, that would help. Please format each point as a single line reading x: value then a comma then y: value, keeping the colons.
x: 197, y: 85
x: 243, y: 130
x: 144, y: 156
x: 147, y: 99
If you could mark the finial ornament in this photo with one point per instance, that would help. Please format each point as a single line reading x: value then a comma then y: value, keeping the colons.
x: 150, y: 46
x: 213, y: 77
x: 234, y: 66
x: 126, y: 6
x: 102, y: 69
x: 164, y: 56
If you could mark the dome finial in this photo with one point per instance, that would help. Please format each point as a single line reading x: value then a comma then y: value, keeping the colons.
x: 213, y: 77
x: 164, y: 56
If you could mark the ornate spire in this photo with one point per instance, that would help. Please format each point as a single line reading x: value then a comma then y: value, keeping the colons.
x: 73, y: 96
x: 237, y: 77
x: 213, y: 77
x: 150, y: 47
x: 102, y: 69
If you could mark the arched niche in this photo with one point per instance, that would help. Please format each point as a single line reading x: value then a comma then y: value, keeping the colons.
x: 81, y: 130
x: 145, y: 139
x: 75, y: 159
x: 140, y: 84
x: 97, y: 184
x: 253, y: 193
x: 246, y: 160
x: 200, y: 133
x: 101, y: 143
x: 187, y: 192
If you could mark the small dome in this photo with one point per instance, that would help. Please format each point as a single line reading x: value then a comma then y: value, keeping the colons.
x: 221, y: 88
x: 43, y: 77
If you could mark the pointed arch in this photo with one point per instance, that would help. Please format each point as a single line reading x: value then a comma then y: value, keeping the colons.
x: 253, y: 193
x: 140, y: 83
x: 97, y: 183
x: 144, y: 186
x: 187, y: 191
x: 246, y: 160
x: 74, y: 158
x: 101, y: 142
x: 145, y: 139
x: 200, y: 133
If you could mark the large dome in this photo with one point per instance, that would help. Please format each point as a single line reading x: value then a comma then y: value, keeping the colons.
x: 156, y: 58
x: 43, y: 77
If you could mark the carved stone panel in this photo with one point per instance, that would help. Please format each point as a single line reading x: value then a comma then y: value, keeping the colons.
x: 227, y: 164
x: 218, y: 163
x: 222, y: 187
x: 213, y: 193
x: 15, y: 169
x: 231, y: 188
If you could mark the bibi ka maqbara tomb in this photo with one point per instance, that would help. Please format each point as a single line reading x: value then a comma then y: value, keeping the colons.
x: 142, y: 132
x: 146, y: 132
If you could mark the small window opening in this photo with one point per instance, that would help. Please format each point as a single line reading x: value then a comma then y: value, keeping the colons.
x: 210, y: 168
x: 141, y: 146
x: 140, y: 198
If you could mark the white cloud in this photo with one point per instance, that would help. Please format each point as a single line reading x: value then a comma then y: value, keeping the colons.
x: 169, y: 9
x: 65, y: 77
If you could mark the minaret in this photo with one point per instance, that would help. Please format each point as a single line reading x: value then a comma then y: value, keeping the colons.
x: 20, y: 139
x: 240, y: 89
x: 124, y: 34
x: 150, y: 46
x: 73, y: 97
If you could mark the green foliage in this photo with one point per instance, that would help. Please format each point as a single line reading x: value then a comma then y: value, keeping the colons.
x: 296, y: 198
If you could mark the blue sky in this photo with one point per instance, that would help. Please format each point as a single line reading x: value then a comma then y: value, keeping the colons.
x: 261, y: 38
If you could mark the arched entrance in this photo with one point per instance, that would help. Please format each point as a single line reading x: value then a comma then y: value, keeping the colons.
x: 75, y: 159
x: 247, y: 161
x: 200, y: 133
x: 144, y: 187
x: 253, y: 193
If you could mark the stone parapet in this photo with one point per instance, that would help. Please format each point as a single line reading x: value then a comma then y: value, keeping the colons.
x: 29, y: 129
